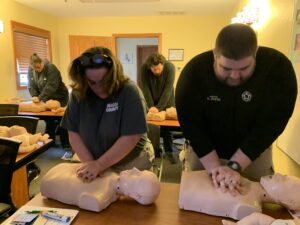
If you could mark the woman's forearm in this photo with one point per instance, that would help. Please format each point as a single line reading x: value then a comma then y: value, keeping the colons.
x: 79, y: 147
x: 122, y: 147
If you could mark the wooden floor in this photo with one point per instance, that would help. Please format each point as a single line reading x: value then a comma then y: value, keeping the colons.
x: 284, y: 164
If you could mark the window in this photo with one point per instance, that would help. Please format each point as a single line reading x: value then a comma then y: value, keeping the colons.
x: 28, y: 40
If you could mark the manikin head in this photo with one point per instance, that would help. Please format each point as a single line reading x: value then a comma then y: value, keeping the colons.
x: 285, y: 190
x: 143, y: 186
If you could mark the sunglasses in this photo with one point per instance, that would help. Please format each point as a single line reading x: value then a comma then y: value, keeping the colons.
x: 95, y: 60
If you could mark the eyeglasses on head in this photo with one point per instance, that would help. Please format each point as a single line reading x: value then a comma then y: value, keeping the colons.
x: 95, y: 60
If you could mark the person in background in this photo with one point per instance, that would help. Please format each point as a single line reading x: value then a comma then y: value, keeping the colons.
x: 232, y: 104
x: 157, y: 80
x: 106, y: 116
x: 45, y: 83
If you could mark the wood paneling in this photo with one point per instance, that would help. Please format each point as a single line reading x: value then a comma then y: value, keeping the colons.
x: 78, y: 44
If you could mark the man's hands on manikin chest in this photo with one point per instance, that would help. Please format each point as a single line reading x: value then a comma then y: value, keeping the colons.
x: 223, y: 176
x: 227, y: 180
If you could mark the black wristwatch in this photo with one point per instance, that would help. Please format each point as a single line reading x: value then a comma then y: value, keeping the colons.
x: 234, y: 166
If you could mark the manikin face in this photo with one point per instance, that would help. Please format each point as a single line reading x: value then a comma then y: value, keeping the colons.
x: 284, y: 189
x: 143, y: 186
x: 233, y: 72
x: 38, y: 67
x: 157, y: 70
x: 94, y: 78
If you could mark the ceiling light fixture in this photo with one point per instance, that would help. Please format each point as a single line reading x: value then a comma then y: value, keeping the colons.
x: 256, y: 14
x: 1, y: 26
x: 249, y: 15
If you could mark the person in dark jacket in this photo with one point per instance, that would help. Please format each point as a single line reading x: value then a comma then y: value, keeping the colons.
x: 232, y: 104
x: 45, y: 83
x: 157, y: 80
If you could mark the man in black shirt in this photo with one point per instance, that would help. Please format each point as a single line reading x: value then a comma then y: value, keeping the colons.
x: 232, y: 104
x: 157, y: 80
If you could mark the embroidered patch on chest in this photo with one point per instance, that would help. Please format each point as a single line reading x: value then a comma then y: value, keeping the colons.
x: 111, y: 107
x: 246, y: 96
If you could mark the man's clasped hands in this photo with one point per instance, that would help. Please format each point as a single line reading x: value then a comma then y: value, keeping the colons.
x: 227, y: 179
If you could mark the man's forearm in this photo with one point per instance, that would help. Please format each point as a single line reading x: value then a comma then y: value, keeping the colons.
x: 240, y: 157
x: 210, y: 161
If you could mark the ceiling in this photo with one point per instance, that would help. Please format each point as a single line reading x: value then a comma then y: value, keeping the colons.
x: 96, y: 8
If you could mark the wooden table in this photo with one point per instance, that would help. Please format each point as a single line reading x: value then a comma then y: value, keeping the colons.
x: 19, y: 186
x: 164, y: 211
x: 47, y: 114
x: 41, y: 114
x: 165, y: 123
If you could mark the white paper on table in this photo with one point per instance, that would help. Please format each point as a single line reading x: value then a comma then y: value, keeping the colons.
x: 42, y: 220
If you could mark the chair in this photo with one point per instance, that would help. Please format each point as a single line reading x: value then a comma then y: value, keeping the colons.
x: 8, y: 154
x: 154, y: 136
x: 30, y: 123
x: 9, y: 109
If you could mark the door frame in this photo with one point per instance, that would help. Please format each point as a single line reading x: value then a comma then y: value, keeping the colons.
x: 138, y: 63
x: 142, y: 35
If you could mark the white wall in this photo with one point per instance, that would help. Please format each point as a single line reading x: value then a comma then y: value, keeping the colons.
x: 129, y: 46
x: 289, y: 140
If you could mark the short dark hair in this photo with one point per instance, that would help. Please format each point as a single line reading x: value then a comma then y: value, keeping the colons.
x: 154, y: 59
x: 113, y: 80
x: 236, y: 41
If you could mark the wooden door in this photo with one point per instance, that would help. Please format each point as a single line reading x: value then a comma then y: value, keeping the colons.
x: 78, y: 44
x: 143, y: 51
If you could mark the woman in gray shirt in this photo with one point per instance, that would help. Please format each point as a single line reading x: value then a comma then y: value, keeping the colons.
x: 106, y: 116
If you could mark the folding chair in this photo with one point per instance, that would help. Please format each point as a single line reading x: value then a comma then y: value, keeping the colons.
x: 154, y: 136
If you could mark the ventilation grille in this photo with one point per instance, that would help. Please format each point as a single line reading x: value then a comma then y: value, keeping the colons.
x: 171, y: 13
x: 112, y: 1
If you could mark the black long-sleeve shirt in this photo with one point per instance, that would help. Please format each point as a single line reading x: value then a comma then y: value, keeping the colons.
x: 159, y: 90
x: 213, y: 115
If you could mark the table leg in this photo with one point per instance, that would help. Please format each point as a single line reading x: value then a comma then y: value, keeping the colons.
x: 19, y: 187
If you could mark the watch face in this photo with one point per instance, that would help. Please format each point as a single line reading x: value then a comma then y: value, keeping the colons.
x: 234, y: 165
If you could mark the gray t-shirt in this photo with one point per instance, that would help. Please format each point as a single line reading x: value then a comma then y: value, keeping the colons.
x: 100, y: 122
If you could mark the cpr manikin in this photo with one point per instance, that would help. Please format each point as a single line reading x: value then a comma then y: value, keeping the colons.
x: 61, y: 183
x: 261, y: 219
x: 197, y: 193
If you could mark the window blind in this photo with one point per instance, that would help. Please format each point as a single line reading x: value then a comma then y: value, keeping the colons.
x: 28, y: 40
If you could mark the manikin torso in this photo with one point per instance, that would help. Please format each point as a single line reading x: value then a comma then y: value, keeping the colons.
x: 197, y: 193
x: 62, y: 184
